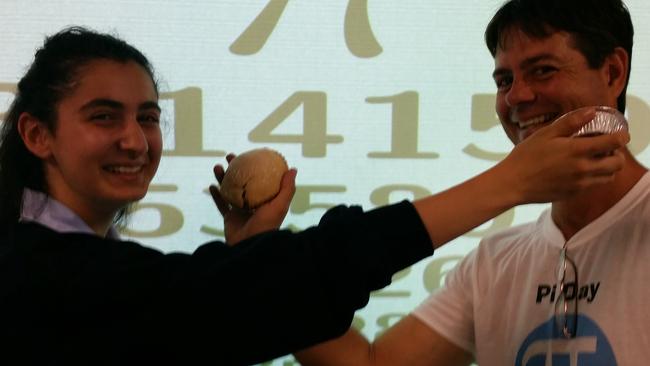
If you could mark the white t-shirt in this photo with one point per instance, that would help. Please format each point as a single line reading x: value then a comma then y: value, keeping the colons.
x: 499, y: 302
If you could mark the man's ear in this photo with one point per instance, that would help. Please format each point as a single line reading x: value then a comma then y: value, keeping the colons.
x: 617, y: 69
x: 36, y: 136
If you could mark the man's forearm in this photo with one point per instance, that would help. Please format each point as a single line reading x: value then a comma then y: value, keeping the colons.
x: 351, y: 349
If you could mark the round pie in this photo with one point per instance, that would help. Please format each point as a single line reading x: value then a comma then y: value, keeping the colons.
x: 253, y: 178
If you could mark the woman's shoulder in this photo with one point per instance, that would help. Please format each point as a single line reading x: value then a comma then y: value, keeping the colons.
x: 31, y: 236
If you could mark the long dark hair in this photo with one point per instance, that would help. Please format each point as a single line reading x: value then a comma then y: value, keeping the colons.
x: 50, y: 78
x: 597, y: 27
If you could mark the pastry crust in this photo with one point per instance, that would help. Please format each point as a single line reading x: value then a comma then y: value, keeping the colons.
x: 253, y: 178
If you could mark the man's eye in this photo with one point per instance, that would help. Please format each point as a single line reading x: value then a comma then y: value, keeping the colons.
x: 149, y: 118
x: 503, y: 83
x: 543, y: 71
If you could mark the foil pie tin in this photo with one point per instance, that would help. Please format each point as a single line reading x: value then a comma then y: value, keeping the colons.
x: 607, y: 120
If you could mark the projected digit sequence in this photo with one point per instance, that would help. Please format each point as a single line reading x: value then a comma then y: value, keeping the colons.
x: 373, y: 102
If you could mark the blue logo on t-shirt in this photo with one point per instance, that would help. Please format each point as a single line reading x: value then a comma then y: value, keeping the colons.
x: 546, y: 346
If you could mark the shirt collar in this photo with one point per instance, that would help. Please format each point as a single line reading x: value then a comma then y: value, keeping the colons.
x: 42, y: 209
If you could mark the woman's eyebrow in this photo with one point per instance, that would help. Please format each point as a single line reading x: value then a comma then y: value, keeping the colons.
x: 113, y: 104
x: 102, y: 102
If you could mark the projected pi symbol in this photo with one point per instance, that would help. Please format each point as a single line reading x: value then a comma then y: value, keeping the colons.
x: 359, y: 37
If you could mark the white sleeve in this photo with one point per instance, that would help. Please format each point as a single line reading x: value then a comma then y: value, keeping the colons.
x: 450, y: 310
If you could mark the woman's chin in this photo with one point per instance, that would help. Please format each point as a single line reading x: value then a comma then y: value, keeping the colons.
x: 123, y: 199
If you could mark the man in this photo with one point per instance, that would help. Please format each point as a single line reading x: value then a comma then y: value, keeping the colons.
x: 570, y: 288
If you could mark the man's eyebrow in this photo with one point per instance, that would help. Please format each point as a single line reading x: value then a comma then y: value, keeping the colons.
x: 525, y: 64
x: 150, y: 105
x: 500, y: 72
x: 535, y: 59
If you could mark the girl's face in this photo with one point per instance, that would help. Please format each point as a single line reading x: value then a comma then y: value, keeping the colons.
x: 107, y: 143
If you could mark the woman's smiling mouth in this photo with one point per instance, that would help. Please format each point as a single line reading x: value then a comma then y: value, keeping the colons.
x: 122, y: 169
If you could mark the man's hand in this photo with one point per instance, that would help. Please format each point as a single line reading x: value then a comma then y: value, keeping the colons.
x: 240, y: 224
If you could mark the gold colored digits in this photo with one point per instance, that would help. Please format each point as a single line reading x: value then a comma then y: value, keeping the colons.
x: 314, y: 137
x: 395, y: 293
x: 499, y: 223
x: 358, y: 323
x: 188, y: 123
x: 638, y: 112
x: 171, y: 218
x: 255, y: 36
x: 212, y: 231
x: 405, y: 120
x: 208, y: 229
x: 381, y: 195
x: 289, y: 362
x: 435, y: 271
x: 302, y: 202
x: 359, y: 37
x: 483, y: 118
x: 358, y: 32
x: 386, y: 321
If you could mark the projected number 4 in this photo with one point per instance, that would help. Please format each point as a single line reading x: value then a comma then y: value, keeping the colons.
x: 314, y: 138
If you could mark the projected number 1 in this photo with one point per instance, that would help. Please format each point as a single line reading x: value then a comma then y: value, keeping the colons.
x: 358, y: 33
x: 188, y: 113
x: 405, y: 121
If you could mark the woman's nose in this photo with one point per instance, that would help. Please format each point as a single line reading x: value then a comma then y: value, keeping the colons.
x: 133, y: 138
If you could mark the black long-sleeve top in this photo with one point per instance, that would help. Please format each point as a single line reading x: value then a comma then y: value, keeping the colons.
x: 78, y: 298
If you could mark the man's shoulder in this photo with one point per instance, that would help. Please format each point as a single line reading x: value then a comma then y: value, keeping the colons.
x: 513, y: 233
x: 519, y: 236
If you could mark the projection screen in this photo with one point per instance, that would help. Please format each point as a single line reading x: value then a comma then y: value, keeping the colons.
x: 372, y: 101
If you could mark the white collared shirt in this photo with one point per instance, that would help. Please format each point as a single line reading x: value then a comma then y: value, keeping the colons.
x: 45, y: 210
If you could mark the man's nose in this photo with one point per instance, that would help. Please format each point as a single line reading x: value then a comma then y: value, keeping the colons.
x: 520, y: 92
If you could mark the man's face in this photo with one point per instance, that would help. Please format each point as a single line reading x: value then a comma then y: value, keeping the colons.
x: 538, y: 80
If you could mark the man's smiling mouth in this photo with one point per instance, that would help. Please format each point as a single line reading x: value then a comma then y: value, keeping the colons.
x: 545, y: 118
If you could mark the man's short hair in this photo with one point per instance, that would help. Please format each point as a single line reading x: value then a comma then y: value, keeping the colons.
x: 597, y: 27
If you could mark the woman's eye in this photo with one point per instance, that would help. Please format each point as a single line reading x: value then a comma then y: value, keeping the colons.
x: 102, y: 117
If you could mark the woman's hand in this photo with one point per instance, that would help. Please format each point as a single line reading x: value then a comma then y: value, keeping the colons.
x: 551, y: 165
x: 241, y: 224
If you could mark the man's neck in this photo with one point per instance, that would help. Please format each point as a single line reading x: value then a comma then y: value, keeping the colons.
x: 571, y: 215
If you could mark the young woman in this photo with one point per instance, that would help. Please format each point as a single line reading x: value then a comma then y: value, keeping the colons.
x: 82, y: 141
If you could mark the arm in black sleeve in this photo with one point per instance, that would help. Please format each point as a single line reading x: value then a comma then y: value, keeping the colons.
x: 82, y: 297
x: 279, y: 291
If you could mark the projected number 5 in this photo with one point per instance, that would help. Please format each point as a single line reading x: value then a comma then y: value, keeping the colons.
x: 358, y: 34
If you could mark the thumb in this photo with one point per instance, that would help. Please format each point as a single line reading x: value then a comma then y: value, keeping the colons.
x: 288, y: 185
x: 281, y: 202
x: 571, y: 122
